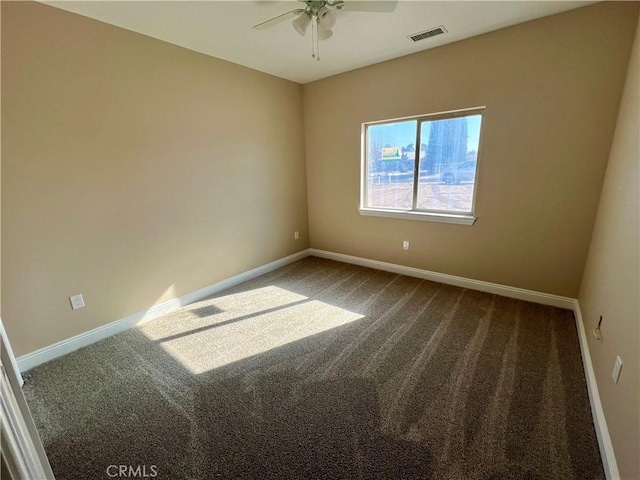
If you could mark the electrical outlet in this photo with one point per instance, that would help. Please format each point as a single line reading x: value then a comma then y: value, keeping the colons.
x: 296, y: 235
x: 77, y: 301
x: 616, y: 369
x: 405, y: 245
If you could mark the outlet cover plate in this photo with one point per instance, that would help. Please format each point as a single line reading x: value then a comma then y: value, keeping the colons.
x: 77, y: 301
x: 616, y: 369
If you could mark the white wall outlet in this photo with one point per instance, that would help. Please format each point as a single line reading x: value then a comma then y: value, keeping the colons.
x: 616, y: 369
x: 405, y: 245
x: 77, y: 301
x: 296, y: 235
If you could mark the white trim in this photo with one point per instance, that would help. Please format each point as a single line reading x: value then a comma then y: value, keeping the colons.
x: 504, y: 290
x: 42, y: 355
x: 20, y: 443
x: 460, y: 219
x: 602, y: 431
x: 458, y: 112
x: 12, y: 357
x: 16, y: 441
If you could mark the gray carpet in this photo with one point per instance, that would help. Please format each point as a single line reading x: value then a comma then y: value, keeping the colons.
x: 324, y: 370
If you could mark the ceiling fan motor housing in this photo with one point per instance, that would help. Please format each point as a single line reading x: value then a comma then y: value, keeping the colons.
x: 315, y: 5
x: 339, y: 4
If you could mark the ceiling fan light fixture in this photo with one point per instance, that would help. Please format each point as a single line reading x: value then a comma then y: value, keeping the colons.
x: 324, y: 33
x: 327, y: 18
x: 322, y: 16
x: 302, y: 23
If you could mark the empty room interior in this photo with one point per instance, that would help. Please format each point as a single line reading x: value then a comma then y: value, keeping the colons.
x: 320, y: 239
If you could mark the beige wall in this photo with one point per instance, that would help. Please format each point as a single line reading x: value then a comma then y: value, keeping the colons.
x: 551, y: 88
x: 611, y: 283
x: 134, y: 171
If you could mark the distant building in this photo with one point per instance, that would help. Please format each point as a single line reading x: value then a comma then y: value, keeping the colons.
x: 447, y: 144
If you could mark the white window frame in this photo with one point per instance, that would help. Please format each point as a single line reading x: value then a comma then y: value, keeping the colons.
x: 462, y: 218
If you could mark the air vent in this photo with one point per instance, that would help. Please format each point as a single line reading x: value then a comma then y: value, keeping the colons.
x: 432, y: 32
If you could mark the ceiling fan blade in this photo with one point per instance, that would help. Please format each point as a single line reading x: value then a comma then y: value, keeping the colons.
x: 382, y: 6
x: 279, y: 19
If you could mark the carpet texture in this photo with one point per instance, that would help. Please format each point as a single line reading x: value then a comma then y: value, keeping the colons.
x: 324, y: 370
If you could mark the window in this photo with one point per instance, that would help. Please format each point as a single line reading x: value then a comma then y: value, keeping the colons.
x: 423, y: 168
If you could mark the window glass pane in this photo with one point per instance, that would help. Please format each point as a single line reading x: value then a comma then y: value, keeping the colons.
x: 390, y: 165
x: 448, y: 155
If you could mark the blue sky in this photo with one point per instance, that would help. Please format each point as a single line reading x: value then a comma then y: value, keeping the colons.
x: 402, y: 134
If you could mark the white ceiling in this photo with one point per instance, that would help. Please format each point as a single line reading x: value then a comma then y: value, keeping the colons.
x: 223, y: 29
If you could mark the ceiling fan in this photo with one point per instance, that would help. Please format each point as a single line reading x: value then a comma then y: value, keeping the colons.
x: 322, y: 16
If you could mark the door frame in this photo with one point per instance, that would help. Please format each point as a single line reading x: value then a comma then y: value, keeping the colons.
x: 21, y: 445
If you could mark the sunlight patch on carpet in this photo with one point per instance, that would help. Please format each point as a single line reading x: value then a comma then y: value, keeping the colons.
x: 242, y: 325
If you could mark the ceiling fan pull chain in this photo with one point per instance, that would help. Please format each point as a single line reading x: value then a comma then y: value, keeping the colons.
x: 317, y: 41
x: 313, y: 38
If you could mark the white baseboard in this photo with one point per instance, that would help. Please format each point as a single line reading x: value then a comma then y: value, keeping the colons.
x: 43, y: 355
x: 505, y: 291
x: 602, y: 432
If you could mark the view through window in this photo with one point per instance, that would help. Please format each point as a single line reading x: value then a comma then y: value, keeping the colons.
x: 425, y: 164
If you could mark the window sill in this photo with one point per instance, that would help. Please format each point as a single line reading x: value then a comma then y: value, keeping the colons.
x: 459, y: 219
